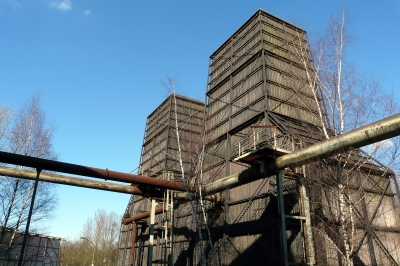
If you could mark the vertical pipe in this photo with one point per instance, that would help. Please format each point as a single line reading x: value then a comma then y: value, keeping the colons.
x: 171, y: 259
x: 167, y: 210
x: 166, y: 221
x: 21, y: 254
x: 254, y: 139
x: 306, y: 204
x: 151, y: 233
x: 281, y: 209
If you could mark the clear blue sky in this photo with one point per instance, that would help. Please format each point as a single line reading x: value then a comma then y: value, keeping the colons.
x: 98, y: 65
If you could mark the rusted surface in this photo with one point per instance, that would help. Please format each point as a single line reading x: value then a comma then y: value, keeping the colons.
x: 217, y: 197
x: 142, y: 216
x: 132, y: 259
x: 378, y: 131
x: 79, y: 182
x: 372, y: 133
x: 81, y: 170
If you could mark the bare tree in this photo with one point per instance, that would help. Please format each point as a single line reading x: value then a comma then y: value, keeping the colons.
x: 4, y: 123
x: 346, y: 99
x: 29, y: 134
x: 195, y: 177
x: 75, y: 253
x: 97, y: 244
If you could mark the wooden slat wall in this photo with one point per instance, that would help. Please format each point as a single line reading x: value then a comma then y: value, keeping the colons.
x: 257, y: 78
x: 160, y: 149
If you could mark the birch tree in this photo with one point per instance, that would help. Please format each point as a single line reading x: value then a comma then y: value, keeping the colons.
x: 346, y: 99
x: 28, y: 134
x: 4, y: 125
x: 195, y: 179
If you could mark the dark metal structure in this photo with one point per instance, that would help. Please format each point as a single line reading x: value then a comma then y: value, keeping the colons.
x: 289, y: 196
x: 160, y: 159
x: 39, y: 250
x: 160, y: 147
x: 260, y: 106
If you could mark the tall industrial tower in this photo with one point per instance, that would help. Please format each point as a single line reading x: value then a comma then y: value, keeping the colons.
x: 261, y: 103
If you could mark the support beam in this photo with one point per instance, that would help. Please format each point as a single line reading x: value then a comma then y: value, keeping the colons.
x: 171, y: 237
x: 26, y: 235
x: 281, y: 210
x: 307, y: 213
x: 151, y: 233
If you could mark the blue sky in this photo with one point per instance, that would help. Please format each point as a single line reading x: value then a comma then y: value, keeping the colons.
x: 98, y: 66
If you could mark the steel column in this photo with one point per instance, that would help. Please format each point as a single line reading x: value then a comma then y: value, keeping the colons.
x: 21, y: 254
x: 171, y: 256
x: 151, y: 233
x: 281, y: 209
x: 306, y: 204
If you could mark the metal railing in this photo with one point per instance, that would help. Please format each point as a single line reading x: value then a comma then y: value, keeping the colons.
x: 268, y: 136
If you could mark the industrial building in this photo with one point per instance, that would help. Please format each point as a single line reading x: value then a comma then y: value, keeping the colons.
x: 253, y: 175
x: 159, y: 159
x: 259, y: 105
x: 40, y: 249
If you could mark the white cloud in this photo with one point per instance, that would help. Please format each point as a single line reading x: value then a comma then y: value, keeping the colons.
x: 14, y: 3
x: 87, y: 12
x: 63, y: 5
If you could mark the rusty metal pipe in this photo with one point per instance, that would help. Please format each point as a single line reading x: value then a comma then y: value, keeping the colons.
x: 217, y: 197
x: 369, y: 134
x: 251, y: 174
x: 77, y: 182
x: 142, y: 216
x: 81, y: 170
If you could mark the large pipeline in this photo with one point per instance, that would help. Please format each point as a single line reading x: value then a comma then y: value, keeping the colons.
x: 366, y: 135
x: 142, y: 216
x: 372, y: 133
x: 78, y: 182
x: 81, y: 170
x: 369, y: 134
